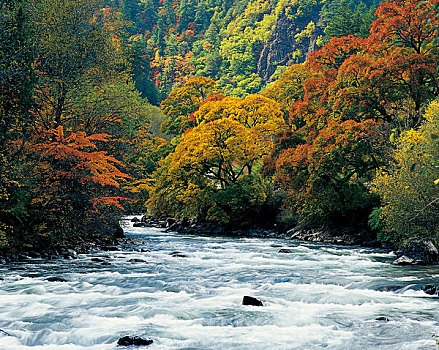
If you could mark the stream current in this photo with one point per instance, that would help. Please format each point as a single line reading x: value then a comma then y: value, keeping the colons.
x: 320, y: 296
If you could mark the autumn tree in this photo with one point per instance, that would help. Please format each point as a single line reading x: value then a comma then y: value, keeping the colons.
x: 16, y: 84
x: 184, y: 101
x: 75, y: 178
x: 213, y: 172
x: 409, y: 186
x: 325, y: 177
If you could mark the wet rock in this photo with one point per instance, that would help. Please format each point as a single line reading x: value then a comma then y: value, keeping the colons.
x: 286, y: 251
x: 139, y: 224
x: 382, y: 319
x: 56, y: 279
x: 178, y: 255
x: 389, y: 288
x: 134, y: 341
x: 110, y: 248
x: 247, y: 300
x: 170, y: 222
x: 405, y: 260
x: 144, y: 250
x: 4, y: 333
x: 135, y: 219
x: 69, y: 254
x: 431, y: 289
x: 134, y: 260
x: 99, y: 260
x: 421, y: 251
x: 106, y: 263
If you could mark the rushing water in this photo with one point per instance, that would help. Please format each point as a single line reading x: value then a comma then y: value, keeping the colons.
x: 318, y: 297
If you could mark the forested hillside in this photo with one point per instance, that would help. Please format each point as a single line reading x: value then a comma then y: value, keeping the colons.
x: 271, y: 113
x: 241, y: 45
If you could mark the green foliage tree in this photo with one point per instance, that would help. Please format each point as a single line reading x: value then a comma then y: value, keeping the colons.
x: 409, y: 186
x: 16, y: 84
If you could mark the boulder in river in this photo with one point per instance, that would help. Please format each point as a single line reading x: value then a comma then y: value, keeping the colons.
x: 135, y: 219
x: 405, y: 260
x: 286, y: 251
x: 178, y: 255
x: 139, y: 224
x: 134, y: 341
x: 421, y: 251
x: 134, y: 260
x: 431, y: 289
x: 56, y: 279
x: 247, y: 300
x: 391, y: 288
x: 382, y: 319
x: 4, y: 333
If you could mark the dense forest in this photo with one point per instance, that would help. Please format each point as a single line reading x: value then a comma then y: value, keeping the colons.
x: 282, y: 112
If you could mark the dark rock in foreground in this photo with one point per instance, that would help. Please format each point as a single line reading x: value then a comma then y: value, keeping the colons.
x: 4, y: 333
x: 247, y: 300
x: 431, y: 289
x: 56, y: 279
x: 178, y: 255
x: 286, y: 251
x: 134, y: 341
x: 382, y: 319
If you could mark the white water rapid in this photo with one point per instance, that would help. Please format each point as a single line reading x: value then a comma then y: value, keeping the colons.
x: 317, y: 297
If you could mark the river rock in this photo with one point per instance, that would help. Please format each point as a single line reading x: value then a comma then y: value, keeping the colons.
x: 247, y: 300
x: 110, y: 248
x: 4, y: 333
x: 422, y: 251
x: 134, y: 341
x: 286, y: 251
x: 135, y: 219
x: 99, y: 260
x: 178, y: 255
x: 56, y: 279
x: 170, y: 222
x: 139, y: 224
x: 405, y: 260
x: 389, y: 288
x: 382, y: 319
x: 431, y: 289
x: 134, y: 260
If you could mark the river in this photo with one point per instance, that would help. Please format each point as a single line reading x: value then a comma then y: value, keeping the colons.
x: 317, y: 297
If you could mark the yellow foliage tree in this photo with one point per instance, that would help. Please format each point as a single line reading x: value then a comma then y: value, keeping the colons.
x: 409, y: 188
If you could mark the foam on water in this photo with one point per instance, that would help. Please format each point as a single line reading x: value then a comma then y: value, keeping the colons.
x: 318, y: 296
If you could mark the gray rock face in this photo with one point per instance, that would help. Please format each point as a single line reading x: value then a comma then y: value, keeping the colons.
x: 421, y: 251
x: 405, y: 260
x: 280, y: 49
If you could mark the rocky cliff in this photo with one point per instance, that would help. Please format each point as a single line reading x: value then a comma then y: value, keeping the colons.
x: 290, y: 42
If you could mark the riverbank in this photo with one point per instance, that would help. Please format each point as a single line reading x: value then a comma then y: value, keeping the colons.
x: 414, y: 251
x: 340, y: 235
